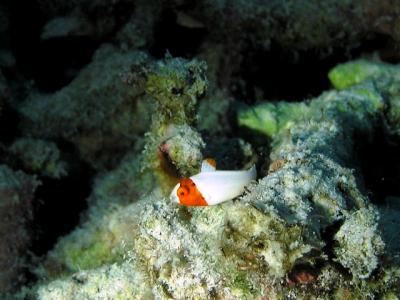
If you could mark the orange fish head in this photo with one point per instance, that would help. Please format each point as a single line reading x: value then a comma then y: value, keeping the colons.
x: 188, y: 194
x: 182, y: 191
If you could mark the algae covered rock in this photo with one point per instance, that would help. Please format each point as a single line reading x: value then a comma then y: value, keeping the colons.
x: 95, y: 19
x: 306, y: 25
x: 176, y: 84
x: 355, y: 72
x: 16, y: 203
x: 214, y: 114
x: 39, y: 156
x: 359, y: 243
x: 139, y: 173
x: 114, y: 281
x: 269, y: 118
x: 110, y: 103
x: 246, y: 248
x: 96, y: 112
x: 175, y: 253
x: 184, y: 148
x: 311, y: 185
x: 385, y: 76
x: 172, y: 144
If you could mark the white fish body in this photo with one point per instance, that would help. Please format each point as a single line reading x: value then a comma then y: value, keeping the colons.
x: 219, y: 186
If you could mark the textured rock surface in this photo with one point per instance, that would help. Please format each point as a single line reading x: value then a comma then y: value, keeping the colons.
x: 309, y: 182
x: 384, y: 76
x: 245, y: 248
x: 359, y: 243
x: 97, y: 112
x: 38, y: 156
x: 16, y: 197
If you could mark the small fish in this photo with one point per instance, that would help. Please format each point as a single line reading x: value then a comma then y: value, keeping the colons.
x: 210, y: 186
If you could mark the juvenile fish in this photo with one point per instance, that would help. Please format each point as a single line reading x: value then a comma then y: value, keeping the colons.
x: 210, y: 186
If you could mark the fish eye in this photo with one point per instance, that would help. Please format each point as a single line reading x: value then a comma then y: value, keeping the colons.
x: 181, y: 191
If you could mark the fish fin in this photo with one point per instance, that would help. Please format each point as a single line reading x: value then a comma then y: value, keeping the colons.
x: 208, y: 165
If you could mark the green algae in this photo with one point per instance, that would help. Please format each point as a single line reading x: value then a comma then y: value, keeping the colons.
x: 176, y: 84
x: 96, y: 254
x: 346, y: 75
x: 241, y: 282
x: 90, y: 253
x: 385, y: 77
x: 269, y: 118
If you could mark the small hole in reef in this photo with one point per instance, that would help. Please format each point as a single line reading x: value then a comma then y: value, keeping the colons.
x: 174, y: 38
x: 58, y: 206
x: 380, y: 165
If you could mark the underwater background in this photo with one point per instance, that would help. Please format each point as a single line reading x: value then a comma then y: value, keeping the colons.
x: 105, y: 105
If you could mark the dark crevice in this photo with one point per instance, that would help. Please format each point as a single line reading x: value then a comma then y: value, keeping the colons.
x: 283, y: 74
x: 58, y: 206
x: 227, y: 152
x: 328, y: 235
x: 178, y: 40
x: 57, y: 61
x: 9, y: 120
x: 279, y: 76
x: 380, y: 165
x: 52, y: 63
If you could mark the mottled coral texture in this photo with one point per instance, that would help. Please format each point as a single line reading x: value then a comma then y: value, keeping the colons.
x: 16, y: 197
x: 249, y: 246
x: 165, y: 84
x: 96, y: 112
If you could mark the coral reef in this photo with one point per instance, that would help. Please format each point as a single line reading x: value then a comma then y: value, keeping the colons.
x: 229, y: 35
x: 359, y: 243
x: 16, y: 203
x: 384, y: 76
x: 176, y: 85
x: 98, y: 114
x: 311, y: 25
x: 98, y: 18
x: 170, y: 144
x: 38, y: 156
x: 309, y: 183
x: 105, y: 105
x: 245, y: 248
